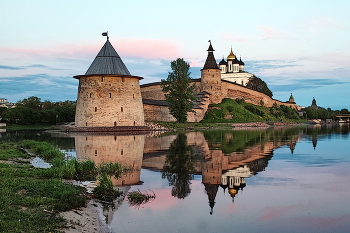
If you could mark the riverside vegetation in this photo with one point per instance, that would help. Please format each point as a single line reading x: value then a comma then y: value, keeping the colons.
x: 31, y: 198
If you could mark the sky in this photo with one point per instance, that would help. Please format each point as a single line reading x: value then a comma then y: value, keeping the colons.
x: 299, y: 47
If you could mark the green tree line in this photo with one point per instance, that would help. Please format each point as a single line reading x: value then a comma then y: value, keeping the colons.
x: 32, y: 110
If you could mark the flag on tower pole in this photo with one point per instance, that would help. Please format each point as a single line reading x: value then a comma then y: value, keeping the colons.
x: 105, y: 34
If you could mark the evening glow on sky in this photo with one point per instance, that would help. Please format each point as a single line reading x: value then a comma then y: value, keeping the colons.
x: 299, y: 47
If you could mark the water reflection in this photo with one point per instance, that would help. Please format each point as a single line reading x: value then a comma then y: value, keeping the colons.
x: 287, y: 175
x: 179, y: 166
x: 123, y: 149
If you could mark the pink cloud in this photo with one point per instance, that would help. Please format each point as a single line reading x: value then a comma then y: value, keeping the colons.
x: 276, y: 212
x: 321, y: 223
x: 147, y: 48
x: 127, y: 47
x: 270, y: 33
x: 163, y: 200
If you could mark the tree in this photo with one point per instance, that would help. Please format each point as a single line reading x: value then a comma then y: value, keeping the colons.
x: 32, y: 102
x: 259, y: 85
x: 179, y: 93
x: 179, y: 166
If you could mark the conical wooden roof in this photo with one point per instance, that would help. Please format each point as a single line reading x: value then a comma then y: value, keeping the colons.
x: 107, y: 62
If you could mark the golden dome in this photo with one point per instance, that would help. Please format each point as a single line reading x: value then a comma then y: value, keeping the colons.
x: 232, y: 192
x: 231, y: 56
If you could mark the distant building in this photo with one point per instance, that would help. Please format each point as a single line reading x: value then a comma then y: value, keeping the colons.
x: 5, y: 104
x: 313, y: 104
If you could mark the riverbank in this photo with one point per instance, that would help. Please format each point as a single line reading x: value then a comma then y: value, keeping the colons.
x: 88, y: 219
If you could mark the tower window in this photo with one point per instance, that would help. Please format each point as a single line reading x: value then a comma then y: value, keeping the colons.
x: 110, y: 95
x: 122, y: 79
x: 95, y: 152
x: 115, y: 123
x: 121, y: 152
x: 133, y: 96
x: 85, y: 123
x: 121, y: 109
x: 134, y: 123
x: 95, y: 109
x: 103, y: 78
x: 90, y: 95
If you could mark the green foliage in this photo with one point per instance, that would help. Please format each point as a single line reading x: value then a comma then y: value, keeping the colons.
x: 259, y: 85
x: 32, y: 111
x: 179, y: 93
x: 44, y: 150
x: 237, y: 111
x: 320, y: 113
x: 114, y: 169
x: 105, y: 191
x: 137, y: 198
x: 86, y: 170
x: 28, y: 201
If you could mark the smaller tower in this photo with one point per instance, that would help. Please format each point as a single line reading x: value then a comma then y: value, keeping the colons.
x: 211, y: 77
x: 291, y: 98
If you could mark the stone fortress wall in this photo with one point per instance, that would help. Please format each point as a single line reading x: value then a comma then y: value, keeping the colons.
x: 223, y: 89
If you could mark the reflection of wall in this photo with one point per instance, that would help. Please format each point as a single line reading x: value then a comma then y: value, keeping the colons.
x: 213, y: 161
x: 123, y: 149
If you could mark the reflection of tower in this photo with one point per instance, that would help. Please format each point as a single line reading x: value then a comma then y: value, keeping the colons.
x: 235, y: 179
x: 212, y: 167
x: 211, y: 190
x: 123, y: 149
x: 314, y: 141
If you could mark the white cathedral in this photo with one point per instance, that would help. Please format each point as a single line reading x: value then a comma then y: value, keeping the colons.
x: 233, y: 70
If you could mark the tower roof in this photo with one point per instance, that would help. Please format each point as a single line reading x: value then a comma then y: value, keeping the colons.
x: 210, y: 63
x: 107, y: 62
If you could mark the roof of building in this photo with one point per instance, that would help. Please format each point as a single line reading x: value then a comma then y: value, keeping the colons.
x: 231, y: 56
x: 223, y: 62
x: 210, y: 63
x: 107, y: 61
x: 241, y: 62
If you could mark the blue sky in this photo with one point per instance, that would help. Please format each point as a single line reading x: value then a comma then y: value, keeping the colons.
x: 299, y: 47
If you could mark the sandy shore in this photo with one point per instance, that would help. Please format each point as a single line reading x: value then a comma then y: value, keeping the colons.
x: 88, y: 220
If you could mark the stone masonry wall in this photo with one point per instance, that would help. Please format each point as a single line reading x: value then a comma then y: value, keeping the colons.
x: 225, y: 90
x: 107, y: 101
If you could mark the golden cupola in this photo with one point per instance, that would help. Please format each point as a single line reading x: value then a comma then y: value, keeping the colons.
x: 231, y: 56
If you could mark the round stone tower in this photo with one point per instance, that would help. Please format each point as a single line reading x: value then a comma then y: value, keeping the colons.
x: 109, y: 96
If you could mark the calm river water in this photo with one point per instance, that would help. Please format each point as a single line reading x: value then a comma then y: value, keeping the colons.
x: 293, y: 179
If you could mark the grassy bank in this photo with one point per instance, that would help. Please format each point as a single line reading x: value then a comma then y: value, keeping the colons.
x: 31, y: 198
